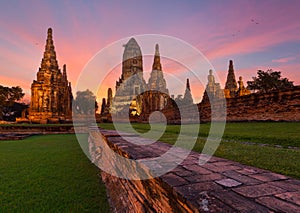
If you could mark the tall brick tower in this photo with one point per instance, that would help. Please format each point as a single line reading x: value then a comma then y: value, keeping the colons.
x: 158, y: 95
x: 157, y: 80
x: 187, y: 98
x: 231, y: 86
x: 131, y: 83
x: 51, y: 93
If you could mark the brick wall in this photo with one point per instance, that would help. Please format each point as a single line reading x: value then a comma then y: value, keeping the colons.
x: 220, y: 185
x: 273, y: 106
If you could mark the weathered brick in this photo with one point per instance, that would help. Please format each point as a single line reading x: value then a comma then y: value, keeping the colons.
x: 191, y: 187
x: 241, y: 178
x: 228, y: 182
x: 182, y: 172
x: 269, y: 176
x: 238, y: 202
x: 278, y: 205
x: 258, y: 190
x: 194, y: 190
x: 215, y: 168
x: 190, y: 161
x: 222, y: 163
x: 247, y: 170
x: 216, y: 159
x: 195, y: 178
x: 141, y: 154
x: 113, y: 133
x: 286, y: 184
x: 173, y: 180
x: 295, y: 182
x: 293, y: 197
x: 197, y: 169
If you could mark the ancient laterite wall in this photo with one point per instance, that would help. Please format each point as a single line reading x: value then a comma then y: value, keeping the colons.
x: 152, y: 195
x: 274, y: 106
x: 219, y: 185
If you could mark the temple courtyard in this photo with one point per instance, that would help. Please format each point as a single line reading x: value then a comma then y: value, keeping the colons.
x: 46, y: 172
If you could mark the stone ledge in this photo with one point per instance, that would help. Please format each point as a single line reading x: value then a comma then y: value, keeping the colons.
x: 220, y: 185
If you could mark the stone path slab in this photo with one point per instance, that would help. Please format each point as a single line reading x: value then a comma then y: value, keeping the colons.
x: 220, y: 184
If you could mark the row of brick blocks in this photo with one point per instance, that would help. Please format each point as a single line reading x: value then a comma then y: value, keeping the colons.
x: 219, y: 185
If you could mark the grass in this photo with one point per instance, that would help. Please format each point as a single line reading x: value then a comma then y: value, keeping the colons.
x: 274, y: 133
x: 280, y: 160
x: 281, y: 133
x: 49, y: 174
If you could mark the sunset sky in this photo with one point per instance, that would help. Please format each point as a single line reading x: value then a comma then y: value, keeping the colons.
x: 255, y: 34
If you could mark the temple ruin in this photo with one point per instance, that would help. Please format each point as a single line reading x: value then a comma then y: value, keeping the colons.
x: 51, y: 93
x: 136, y: 99
x: 232, y: 90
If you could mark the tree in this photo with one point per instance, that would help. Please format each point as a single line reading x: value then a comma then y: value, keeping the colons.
x: 85, y: 102
x: 269, y: 80
x: 8, y: 96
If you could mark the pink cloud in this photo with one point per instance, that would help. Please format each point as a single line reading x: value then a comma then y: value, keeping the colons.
x: 254, y: 43
x: 219, y: 33
x: 283, y: 60
x: 248, y: 30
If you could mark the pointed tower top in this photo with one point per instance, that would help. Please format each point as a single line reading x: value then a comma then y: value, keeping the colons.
x: 49, y: 61
x: 156, y: 63
x: 132, y: 50
x: 157, y: 50
x: 65, y: 72
x: 132, y: 41
x: 187, y: 99
x: 188, y: 84
x: 157, y: 81
x: 49, y: 30
x: 231, y: 84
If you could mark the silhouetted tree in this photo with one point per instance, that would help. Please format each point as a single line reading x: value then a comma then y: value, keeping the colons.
x: 85, y: 102
x: 269, y: 80
x: 8, y: 96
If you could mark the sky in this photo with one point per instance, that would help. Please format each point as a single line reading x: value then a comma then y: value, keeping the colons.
x: 254, y: 34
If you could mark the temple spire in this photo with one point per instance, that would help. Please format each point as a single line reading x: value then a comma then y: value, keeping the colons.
x: 188, y: 84
x: 187, y: 98
x: 49, y: 42
x: 156, y: 63
x: 157, y: 81
x: 157, y: 50
x: 64, y: 75
x: 51, y: 94
x: 49, y: 61
x: 231, y: 84
x: 64, y: 70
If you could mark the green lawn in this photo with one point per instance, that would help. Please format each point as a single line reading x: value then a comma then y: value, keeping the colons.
x: 274, y: 133
x: 280, y: 160
x: 49, y: 174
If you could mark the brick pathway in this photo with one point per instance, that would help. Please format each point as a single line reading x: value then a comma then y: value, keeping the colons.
x: 220, y: 184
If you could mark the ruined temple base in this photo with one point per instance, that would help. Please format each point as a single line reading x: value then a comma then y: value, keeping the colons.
x: 43, y: 120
